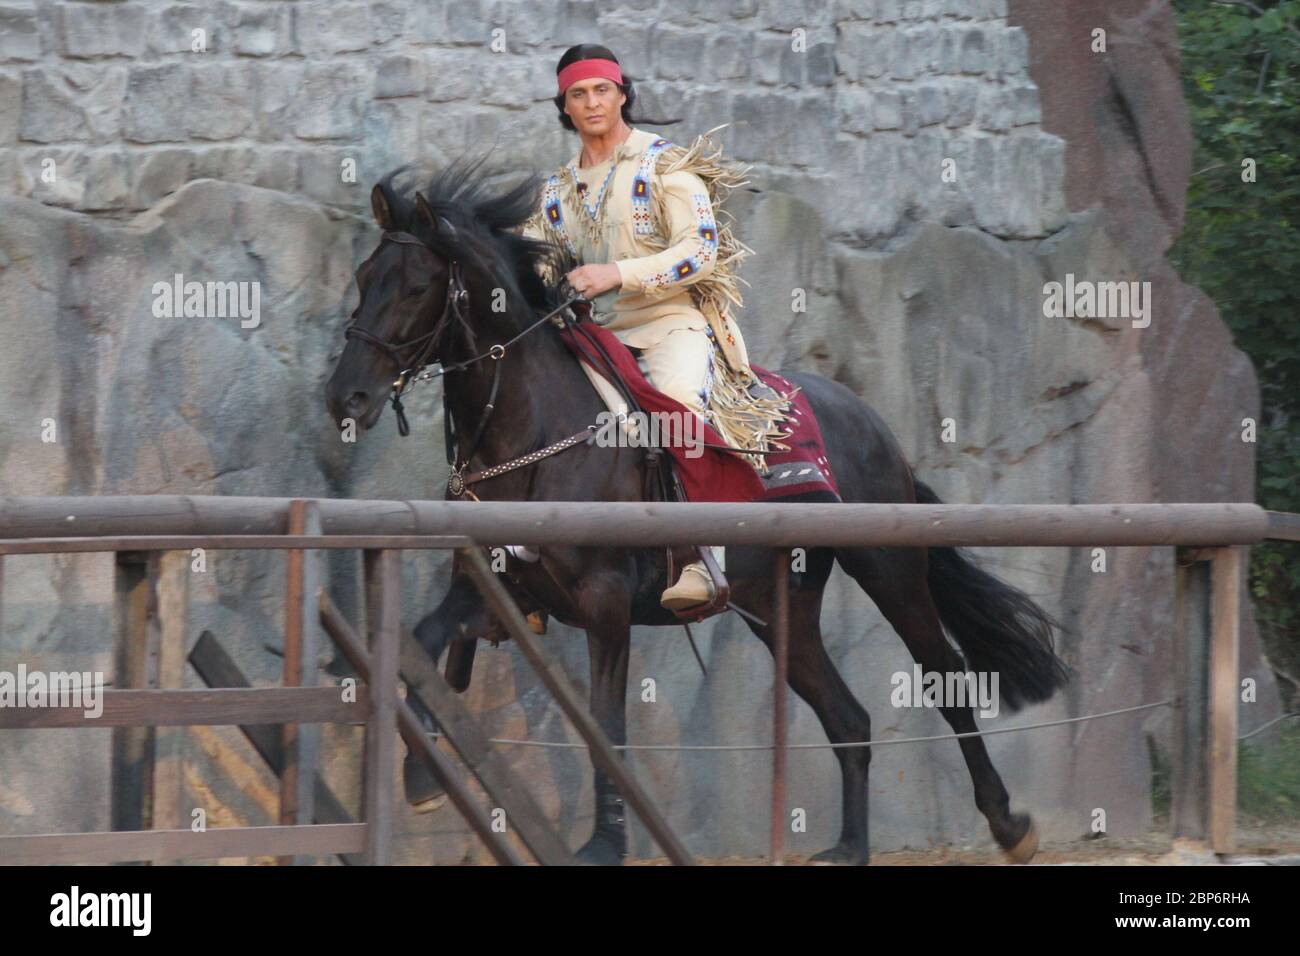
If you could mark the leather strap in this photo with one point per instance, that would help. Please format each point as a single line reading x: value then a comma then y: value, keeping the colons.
x: 458, y: 482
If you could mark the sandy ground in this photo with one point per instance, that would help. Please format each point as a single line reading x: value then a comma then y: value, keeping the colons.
x: 1255, y: 843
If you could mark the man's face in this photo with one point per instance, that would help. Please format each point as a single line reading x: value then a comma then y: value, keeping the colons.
x: 594, y: 105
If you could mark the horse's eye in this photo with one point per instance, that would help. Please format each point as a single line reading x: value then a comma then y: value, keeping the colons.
x: 417, y: 292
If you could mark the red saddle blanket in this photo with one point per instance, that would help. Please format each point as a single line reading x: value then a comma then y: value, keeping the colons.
x: 708, y: 474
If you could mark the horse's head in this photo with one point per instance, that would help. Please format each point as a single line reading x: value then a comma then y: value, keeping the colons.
x: 451, y: 275
x: 408, y: 294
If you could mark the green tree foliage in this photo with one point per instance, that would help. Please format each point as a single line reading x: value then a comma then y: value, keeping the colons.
x: 1241, y: 245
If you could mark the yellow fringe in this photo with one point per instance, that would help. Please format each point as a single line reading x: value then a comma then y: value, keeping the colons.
x: 743, y: 420
x: 721, y: 288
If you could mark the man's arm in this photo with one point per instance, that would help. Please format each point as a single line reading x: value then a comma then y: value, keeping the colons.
x: 693, y: 241
x: 589, y: 280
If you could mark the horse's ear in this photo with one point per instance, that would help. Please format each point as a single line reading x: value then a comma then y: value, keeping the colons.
x: 379, y: 204
x: 426, y: 211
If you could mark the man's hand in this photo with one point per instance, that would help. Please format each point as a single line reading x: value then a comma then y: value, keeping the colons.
x: 591, y: 281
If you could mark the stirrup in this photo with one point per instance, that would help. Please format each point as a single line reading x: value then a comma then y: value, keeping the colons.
x: 710, y: 589
x: 722, y: 590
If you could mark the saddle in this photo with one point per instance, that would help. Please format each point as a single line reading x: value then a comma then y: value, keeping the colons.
x: 662, y: 483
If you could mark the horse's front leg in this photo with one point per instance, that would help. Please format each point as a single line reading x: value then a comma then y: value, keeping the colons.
x: 460, y: 619
x: 608, y: 648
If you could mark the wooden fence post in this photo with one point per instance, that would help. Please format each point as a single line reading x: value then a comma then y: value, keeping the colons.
x: 1208, y: 617
x: 301, y: 648
x: 1225, y: 637
x: 170, y: 584
x: 383, y: 614
x: 1189, y: 769
x: 135, y: 662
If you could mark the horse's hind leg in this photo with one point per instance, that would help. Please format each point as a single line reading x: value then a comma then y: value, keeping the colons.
x: 814, y: 677
x: 896, y: 580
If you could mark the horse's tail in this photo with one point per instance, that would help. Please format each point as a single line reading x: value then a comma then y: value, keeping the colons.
x: 998, y: 627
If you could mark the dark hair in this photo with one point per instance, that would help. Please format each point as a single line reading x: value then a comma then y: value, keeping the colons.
x: 594, y: 51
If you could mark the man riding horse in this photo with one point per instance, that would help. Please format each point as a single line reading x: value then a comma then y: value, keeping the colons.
x: 639, y: 214
x: 642, y: 216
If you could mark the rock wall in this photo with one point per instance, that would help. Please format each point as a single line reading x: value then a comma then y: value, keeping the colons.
x: 133, y: 148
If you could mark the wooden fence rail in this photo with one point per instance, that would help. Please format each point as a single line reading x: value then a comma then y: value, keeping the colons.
x: 634, y: 524
x: 152, y: 601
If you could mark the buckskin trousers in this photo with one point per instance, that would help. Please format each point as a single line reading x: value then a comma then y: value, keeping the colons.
x: 680, y: 365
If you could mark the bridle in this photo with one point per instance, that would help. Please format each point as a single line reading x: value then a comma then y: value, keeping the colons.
x: 454, y: 305
x: 418, y: 369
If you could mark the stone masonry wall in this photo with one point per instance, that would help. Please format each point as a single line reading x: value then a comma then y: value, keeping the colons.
x: 286, y: 91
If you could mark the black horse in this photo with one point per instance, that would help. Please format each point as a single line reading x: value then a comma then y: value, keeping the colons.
x: 461, y: 232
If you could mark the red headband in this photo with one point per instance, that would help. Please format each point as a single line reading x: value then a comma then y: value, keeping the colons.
x: 586, y: 69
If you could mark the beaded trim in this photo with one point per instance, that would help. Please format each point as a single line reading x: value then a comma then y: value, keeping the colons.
x: 553, y: 211
x: 597, y: 212
x: 706, y: 255
x: 642, y: 217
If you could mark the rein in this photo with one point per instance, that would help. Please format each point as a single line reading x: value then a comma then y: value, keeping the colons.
x: 418, y: 370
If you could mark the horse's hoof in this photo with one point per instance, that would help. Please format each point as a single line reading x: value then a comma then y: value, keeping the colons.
x: 424, y: 794
x: 599, y: 851
x: 841, y: 854
x: 1024, y: 849
x: 429, y: 804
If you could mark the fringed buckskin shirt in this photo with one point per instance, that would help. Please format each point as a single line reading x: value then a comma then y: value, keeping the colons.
x: 655, y: 298
x: 660, y: 227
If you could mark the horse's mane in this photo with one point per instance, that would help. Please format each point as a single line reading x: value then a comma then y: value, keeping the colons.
x: 484, y: 213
